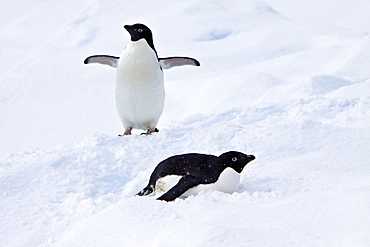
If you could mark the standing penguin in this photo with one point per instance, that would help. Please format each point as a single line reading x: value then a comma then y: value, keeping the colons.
x: 188, y: 174
x: 139, y: 82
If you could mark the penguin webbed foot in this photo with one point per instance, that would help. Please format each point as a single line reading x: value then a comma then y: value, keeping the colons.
x: 127, y: 132
x: 120, y: 135
x: 150, y: 131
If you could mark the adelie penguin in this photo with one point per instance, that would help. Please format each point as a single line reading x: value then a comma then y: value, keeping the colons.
x: 188, y: 174
x: 139, y: 81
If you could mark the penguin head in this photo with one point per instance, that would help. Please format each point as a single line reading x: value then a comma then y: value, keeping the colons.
x: 139, y: 31
x: 236, y: 160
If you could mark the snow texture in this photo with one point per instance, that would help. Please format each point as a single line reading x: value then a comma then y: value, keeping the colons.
x: 287, y: 81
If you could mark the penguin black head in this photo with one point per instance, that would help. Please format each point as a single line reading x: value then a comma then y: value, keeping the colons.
x: 236, y: 160
x: 140, y: 31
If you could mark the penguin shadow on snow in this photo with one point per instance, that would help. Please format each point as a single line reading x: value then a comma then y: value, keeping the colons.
x: 188, y: 174
x: 139, y: 79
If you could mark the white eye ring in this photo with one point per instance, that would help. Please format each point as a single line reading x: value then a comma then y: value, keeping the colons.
x: 140, y: 30
x: 234, y: 159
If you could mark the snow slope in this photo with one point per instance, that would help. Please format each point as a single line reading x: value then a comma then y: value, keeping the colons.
x: 288, y: 82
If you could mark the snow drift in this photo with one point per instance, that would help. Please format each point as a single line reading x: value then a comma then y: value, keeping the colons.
x: 279, y: 80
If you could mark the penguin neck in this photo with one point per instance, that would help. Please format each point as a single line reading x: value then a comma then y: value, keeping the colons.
x: 140, y: 50
x: 226, y: 166
x: 149, y: 42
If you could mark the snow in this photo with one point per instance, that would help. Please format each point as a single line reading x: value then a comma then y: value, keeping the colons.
x: 287, y: 81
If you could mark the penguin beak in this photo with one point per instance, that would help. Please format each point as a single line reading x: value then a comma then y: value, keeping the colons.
x: 251, y: 157
x: 127, y: 27
x: 248, y: 159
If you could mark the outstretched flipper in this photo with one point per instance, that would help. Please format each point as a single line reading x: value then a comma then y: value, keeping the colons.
x: 103, y: 59
x: 169, y: 62
x: 185, y: 183
x: 166, y: 63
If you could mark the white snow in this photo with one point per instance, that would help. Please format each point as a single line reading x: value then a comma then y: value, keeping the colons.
x: 287, y: 81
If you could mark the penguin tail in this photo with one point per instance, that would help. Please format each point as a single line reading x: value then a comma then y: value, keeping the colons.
x: 146, y: 191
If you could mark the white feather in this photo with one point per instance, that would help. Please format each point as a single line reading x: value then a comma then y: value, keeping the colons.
x: 228, y: 182
x: 139, y: 86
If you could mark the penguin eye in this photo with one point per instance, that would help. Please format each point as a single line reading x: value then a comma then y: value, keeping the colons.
x: 140, y: 30
x: 234, y: 159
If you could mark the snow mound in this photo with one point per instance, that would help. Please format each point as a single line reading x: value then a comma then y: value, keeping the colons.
x: 282, y: 81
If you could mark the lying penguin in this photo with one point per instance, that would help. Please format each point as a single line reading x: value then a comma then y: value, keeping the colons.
x: 188, y: 174
x: 139, y: 80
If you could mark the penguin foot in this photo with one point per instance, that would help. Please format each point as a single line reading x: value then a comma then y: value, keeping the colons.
x: 150, y: 131
x: 127, y: 132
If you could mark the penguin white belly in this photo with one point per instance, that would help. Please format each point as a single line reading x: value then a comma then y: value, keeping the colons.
x: 228, y: 182
x: 139, y: 86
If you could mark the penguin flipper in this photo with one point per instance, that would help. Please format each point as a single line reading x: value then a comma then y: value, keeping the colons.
x: 103, y: 59
x: 185, y: 183
x: 169, y: 62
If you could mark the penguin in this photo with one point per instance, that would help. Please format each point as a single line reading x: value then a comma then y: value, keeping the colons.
x: 188, y: 174
x: 139, y: 79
